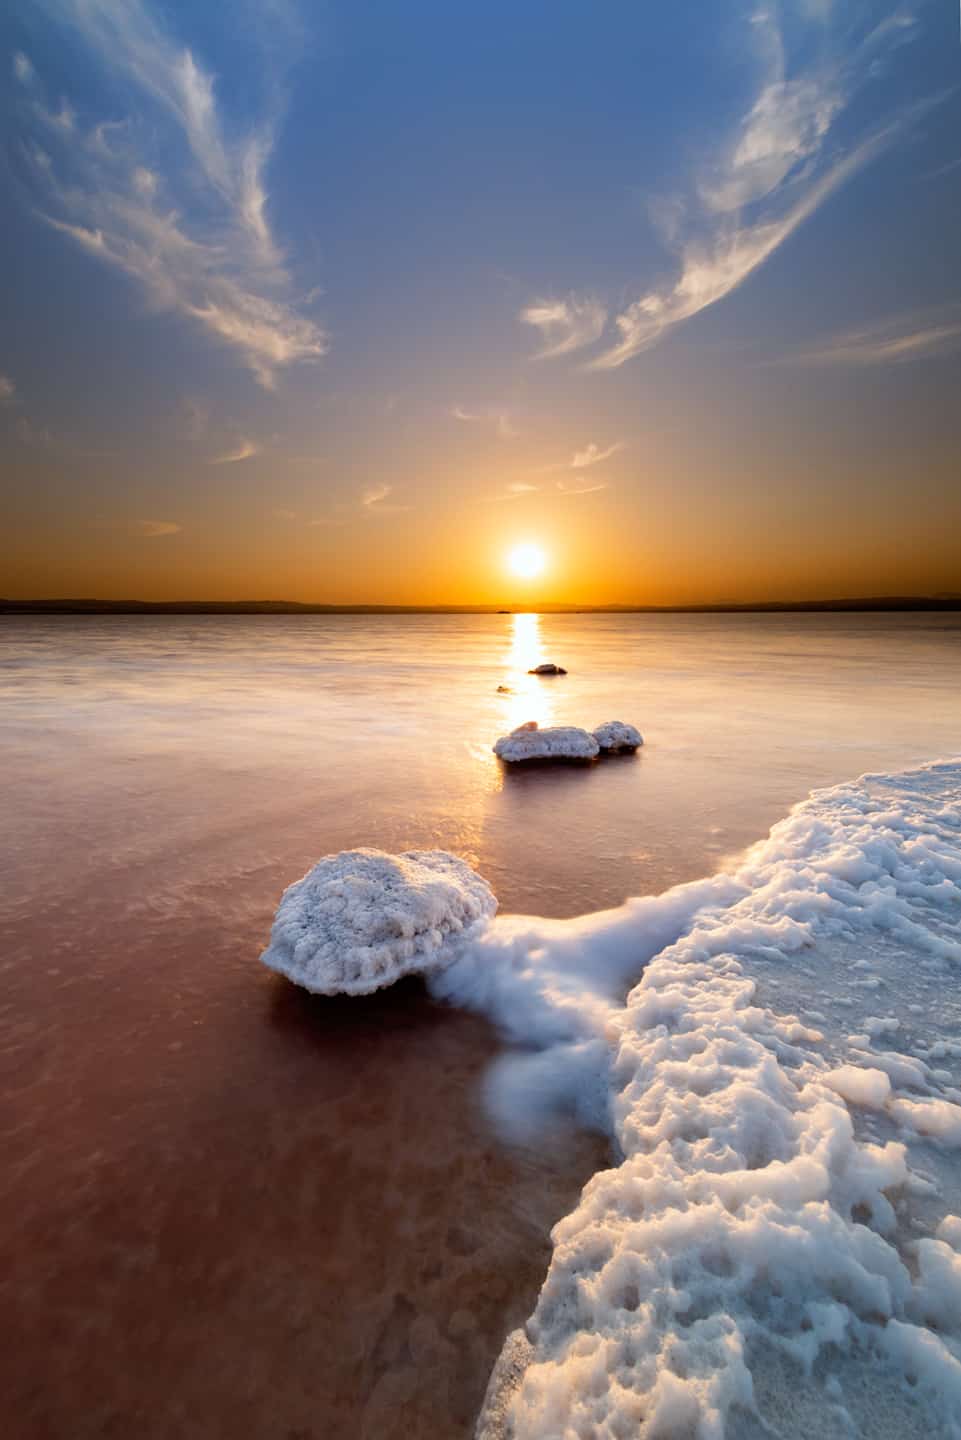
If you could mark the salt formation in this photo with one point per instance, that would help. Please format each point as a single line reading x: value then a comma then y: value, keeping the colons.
x: 360, y: 920
x: 616, y: 735
x: 547, y: 669
x: 770, y: 1252
x: 558, y: 742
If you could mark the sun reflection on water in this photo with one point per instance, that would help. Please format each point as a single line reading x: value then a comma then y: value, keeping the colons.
x: 530, y: 698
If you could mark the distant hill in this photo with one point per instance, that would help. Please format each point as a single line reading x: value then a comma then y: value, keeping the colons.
x: 292, y: 607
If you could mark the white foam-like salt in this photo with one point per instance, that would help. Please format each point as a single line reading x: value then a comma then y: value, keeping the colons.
x: 362, y: 919
x: 860, y: 1085
x: 878, y: 1025
x: 617, y: 735
x: 949, y: 1230
x: 554, y: 742
x: 750, y: 1263
x: 937, y: 1119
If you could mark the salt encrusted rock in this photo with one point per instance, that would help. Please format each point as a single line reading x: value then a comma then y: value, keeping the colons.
x: 547, y: 669
x: 559, y: 742
x: 615, y: 735
x: 360, y: 920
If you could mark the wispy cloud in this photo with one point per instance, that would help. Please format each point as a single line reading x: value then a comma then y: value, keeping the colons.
x: 64, y: 119
x: 565, y: 325
x: 780, y: 163
x: 894, y: 342
x: 154, y: 529
x: 713, y: 269
x: 516, y: 490
x: 501, y: 421
x: 375, y: 495
x: 23, y: 68
x: 195, y: 236
x: 373, y: 501
x: 8, y: 391
x: 593, y: 455
x: 941, y: 170
x: 284, y: 514
x: 580, y: 489
x: 243, y: 450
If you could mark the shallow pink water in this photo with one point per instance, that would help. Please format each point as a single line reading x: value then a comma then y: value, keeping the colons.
x: 231, y: 1209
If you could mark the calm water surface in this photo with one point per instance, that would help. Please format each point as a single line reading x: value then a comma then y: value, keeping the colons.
x: 227, y: 1208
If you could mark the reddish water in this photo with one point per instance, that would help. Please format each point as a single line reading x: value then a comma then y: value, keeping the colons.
x: 227, y: 1208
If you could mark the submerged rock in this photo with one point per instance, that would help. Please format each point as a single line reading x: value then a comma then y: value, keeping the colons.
x: 360, y: 920
x: 547, y: 669
x: 616, y: 735
x: 559, y: 742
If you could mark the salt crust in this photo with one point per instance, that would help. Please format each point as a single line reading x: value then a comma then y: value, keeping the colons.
x: 361, y: 919
x: 747, y: 1213
x: 557, y: 742
x: 617, y: 735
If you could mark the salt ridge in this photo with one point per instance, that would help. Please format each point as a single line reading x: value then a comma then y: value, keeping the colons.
x: 773, y: 1250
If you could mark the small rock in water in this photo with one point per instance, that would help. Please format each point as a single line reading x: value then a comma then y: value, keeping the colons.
x: 504, y: 690
x: 558, y: 742
x: 547, y: 669
x: 616, y: 735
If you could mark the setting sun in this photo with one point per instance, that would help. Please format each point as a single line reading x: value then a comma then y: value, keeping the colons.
x: 526, y: 561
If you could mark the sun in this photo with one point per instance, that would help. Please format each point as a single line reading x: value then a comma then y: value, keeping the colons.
x: 526, y: 561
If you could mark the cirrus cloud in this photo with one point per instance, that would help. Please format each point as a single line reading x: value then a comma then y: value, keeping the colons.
x: 580, y: 489
x: 243, y: 450
x: 154, y: 529
x: 593, y: 455
x: 565, y: 325
x: 503, y: 425
x: 190, y: 228
x: 762, y: 181
x: 892, y: 342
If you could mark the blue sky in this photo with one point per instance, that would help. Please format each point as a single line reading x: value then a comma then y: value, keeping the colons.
x: 336, y: 301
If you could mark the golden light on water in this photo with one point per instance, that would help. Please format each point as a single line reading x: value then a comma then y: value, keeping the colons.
x: 527, y: 561
x: 527, y: 698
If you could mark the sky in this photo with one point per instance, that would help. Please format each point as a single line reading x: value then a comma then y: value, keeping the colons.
x: 341, y: 302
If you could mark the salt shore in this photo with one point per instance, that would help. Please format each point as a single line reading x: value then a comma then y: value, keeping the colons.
x: 776, y: 1247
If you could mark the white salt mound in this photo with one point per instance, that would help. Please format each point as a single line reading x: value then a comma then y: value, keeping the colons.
x: 616, y: 735
x: 360, y: 920
x: 558, y: 742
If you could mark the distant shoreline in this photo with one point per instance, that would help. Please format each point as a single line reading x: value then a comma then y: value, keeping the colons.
x: 291, y: 607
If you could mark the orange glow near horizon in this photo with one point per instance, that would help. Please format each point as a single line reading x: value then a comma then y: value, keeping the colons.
x: 635, y: 540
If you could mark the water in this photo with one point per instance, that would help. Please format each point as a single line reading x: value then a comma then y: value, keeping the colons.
x: 231, y: 1209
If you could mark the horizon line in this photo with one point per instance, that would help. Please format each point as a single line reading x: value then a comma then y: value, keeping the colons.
x: 90, y: 604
